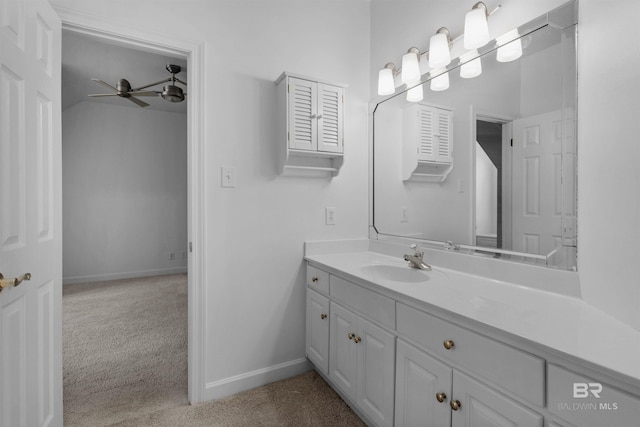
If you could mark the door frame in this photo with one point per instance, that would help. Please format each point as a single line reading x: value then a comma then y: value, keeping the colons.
x: 506, y: 165
x: 194, y: 52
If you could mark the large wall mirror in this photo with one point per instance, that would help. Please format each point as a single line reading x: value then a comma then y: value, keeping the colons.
x: 489, y: 164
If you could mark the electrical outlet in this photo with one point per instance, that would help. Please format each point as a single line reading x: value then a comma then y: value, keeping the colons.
x: 404, y: 214
x: 228, y: 176
x: 172, y: 255
x: 330, y: 216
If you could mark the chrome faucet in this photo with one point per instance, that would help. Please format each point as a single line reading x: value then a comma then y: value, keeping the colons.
x: 415, y: 260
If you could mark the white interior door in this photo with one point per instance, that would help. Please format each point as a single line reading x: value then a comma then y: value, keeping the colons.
x: 537, y: 189
x: 30, y: 214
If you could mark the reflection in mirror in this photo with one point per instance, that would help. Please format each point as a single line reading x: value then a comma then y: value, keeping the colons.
x: 489, y: 163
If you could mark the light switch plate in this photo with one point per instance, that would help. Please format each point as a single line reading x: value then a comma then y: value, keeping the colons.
x: 228, y: 176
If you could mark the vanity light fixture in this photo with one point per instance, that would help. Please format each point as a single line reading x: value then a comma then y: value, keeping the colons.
x: 471, y: 65
x: 439, y: 45
x: 441, y: 81
x: 416, y: 93
x: 411, y: 66
x: 476, y: 35
x: 509, y: 47
x: 476, y: 27
x: 386, y: 83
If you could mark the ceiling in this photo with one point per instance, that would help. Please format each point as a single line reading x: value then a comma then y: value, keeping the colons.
x: 85, y: 57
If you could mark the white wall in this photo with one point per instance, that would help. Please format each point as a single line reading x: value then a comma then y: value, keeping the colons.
x: 255, y: 290
x: 124, y: 172
x: 608, y: 127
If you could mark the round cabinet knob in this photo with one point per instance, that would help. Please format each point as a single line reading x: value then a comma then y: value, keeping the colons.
x: 448, y: 344
x: 351, y: 335
x: 314, y: 279
x: 455, y: 405
x: 323, y: 316
x: 441, y: 397
x: 357, y: 339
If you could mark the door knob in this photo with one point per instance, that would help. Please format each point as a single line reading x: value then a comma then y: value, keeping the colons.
x: 9, y: 283
x: 441, y: 397
x: 455, y: 405
x: 448, y: 344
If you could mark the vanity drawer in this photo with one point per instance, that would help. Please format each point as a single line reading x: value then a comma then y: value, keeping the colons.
x: 518, y: 372
x: 594, y: 404
x: 375, y: 306
x: 317, y: 279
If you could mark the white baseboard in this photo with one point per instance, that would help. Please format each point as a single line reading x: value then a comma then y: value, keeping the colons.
x: 118, y: 276
x: 228, y: 386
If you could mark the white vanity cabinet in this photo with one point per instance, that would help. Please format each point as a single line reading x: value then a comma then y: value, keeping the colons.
x: 361, y: 363
x: 433, y: 387
x: 311, y: 123
x: 317, y: 330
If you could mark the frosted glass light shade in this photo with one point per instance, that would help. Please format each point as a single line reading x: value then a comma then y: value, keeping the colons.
x: 476, y: 28
x: 386, y: 85
x: 440, y: 82
x: 415, y: 94
x: 439, y: 54
x: 471, y: 67
x: 510, y: 47
x: 410, y: 66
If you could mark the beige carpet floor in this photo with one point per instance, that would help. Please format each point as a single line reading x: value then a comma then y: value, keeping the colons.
x: 125, y: 364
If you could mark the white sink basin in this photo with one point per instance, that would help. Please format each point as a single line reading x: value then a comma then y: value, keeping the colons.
x: 397, y: 273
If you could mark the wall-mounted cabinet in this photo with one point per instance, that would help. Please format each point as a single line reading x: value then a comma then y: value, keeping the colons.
x: 427, y: 143
x: 311, y: 125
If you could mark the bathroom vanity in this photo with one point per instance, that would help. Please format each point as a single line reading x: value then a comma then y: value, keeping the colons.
x: 407, y: 347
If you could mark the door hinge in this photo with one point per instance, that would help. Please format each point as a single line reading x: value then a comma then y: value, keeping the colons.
x: 288, y: 136
x: 288, y: 89
x: 512, y: 142
x: 190, y: 247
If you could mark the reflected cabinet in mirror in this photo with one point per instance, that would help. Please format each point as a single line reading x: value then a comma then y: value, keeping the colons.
x: 489, y: 164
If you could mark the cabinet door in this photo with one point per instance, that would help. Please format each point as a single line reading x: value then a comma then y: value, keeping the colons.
x: 330, y: 118
x: 302, y: 112
x: 317, y: 336
x: 342, y: 349
x: 420, y: 381
x: 444, y: 135
x: 426, y: 133
x: 376, y: 352
x: 481, y: 406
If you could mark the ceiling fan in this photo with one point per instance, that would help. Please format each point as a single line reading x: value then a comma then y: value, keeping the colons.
x: 170, y: 92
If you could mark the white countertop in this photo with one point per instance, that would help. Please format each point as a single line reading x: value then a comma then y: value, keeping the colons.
x: 562, y: 324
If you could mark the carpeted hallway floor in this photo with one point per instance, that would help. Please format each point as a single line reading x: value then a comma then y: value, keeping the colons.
x: 125, y: 364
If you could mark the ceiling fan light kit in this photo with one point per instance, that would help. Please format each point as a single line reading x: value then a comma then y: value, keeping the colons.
x: 170, y: 92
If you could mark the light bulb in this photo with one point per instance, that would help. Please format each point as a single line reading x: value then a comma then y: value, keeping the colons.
x: 440, y: 82
x: 411, y: 66
x: 386, y: 85
x: 439, y: 54
x: 510, y: 47
x: 476, y: 28
x: 471, y: 65
x: 415, y: 94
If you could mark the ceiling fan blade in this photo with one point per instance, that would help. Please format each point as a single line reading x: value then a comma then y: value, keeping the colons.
x: 137, y: 101
x: 104, y: 83
x: 143, y: 93
x: 95, y: 95
x: 152, y: 84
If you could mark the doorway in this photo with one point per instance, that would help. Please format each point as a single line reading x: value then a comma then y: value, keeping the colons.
x: 194, y: 54
x: 125, y: 231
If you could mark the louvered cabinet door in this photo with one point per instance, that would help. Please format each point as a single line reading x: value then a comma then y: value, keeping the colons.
x: 303, y: 111
x: 426, y: 133
x: 444, y: 136
x: 330, y: 110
